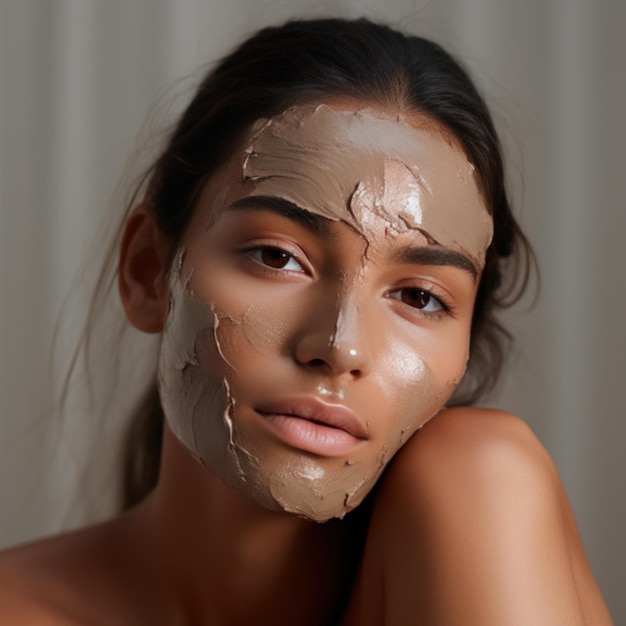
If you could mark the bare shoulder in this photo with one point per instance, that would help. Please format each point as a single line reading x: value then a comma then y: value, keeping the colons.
x: 31, y: 587
x: 466, y: 446
x: 471, y: 525
x: 66, y: 580
x: 473, y: 468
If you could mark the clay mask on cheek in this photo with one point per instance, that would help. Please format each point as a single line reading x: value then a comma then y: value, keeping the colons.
x: 197, y: 403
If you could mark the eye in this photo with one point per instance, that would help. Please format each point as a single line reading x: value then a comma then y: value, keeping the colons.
x: 275, y: 258
x: 419, y: 299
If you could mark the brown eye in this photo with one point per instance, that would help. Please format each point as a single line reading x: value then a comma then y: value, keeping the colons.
x: 418, y: 299
x: 275, y: 258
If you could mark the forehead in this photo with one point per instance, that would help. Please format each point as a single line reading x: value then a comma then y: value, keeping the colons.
x: 365, y: 167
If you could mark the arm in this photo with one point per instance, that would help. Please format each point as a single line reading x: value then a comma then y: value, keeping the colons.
x: 472, y: 527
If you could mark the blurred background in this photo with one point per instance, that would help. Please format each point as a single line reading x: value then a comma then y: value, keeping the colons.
x: 78, y: 79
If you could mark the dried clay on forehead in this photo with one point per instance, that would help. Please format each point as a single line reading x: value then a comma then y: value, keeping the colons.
x: 346, y: 165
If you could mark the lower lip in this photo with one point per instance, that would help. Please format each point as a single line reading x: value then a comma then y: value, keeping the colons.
x: 311, y: 436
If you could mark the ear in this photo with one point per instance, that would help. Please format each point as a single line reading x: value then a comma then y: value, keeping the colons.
x: 142, y: 272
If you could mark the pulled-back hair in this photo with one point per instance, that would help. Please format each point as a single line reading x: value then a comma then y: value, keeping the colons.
x: 313, y: 61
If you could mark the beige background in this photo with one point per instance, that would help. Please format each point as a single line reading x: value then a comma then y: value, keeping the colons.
x: 77, y: 78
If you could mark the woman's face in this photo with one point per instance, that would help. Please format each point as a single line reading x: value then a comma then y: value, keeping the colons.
x: 321, y: 303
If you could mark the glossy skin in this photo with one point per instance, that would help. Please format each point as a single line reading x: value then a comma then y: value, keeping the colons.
x: 469, y: 526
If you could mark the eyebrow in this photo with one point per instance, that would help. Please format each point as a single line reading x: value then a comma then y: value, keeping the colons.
x: 313, y: 223
x: 321, y: 226
x: 435, y: 256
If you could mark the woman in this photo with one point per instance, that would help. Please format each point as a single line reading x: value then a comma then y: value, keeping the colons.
x: 323, y: 245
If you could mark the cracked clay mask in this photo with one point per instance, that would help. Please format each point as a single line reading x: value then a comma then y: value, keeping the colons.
x: 243, y: 342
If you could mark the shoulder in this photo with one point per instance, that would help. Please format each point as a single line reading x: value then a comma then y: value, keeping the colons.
x: 470, y: 469
x: 469, y: 526
x: 64, y: 580
x: 467, y: 446
x: 29, y: 592
x: 475, y: 464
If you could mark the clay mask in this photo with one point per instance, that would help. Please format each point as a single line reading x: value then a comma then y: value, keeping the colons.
x: 219, y: 362
x: 351, y: 165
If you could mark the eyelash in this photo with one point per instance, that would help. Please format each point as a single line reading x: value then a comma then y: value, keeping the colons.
x: 443, y: 310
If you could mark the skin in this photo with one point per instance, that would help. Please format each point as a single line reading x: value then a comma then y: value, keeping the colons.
x: 470, y: 524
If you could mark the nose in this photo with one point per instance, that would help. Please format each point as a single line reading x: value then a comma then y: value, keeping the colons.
x: 335, y: 342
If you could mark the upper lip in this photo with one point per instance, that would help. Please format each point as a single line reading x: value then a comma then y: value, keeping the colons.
x: 316, y: 410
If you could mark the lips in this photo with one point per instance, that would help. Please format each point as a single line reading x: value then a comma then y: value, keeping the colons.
x: 311, y: 424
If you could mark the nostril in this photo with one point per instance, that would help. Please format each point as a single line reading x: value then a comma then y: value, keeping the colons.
x: 317, y: 362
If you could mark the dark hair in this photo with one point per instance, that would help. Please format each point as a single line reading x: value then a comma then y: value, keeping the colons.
x: 308, y: 61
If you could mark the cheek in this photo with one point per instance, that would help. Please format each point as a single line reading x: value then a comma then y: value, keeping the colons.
x: 419, y: 378
x: 188, y: 394
x: 250, y: 318
x: 267, y: 327
x: 246, y: 332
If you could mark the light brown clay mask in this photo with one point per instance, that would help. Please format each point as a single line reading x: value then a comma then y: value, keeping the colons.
x: 234, y: 344
x: 352, y: 165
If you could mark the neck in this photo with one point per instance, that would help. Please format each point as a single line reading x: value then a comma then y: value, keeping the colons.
x: 226, y: 560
